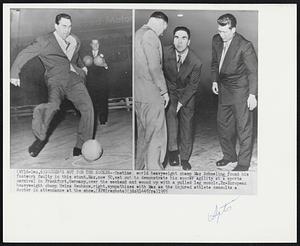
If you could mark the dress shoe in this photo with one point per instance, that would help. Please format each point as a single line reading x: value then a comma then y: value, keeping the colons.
x: 185, y: 165
x: 165, y: 162
x: 173, y: 158
x: 241, y: 168
x: 36, y: 147
x: 223, y: 162
x: 76, y: 151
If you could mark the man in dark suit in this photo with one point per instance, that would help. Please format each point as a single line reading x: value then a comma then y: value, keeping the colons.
x: 182, y: 70
x: 234, y: 74
x: 97, y: 83
x: 65, y: 74
x: 150, y: 94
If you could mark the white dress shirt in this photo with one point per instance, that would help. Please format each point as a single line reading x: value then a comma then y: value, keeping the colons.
x: 68, y: 46
x: 224, y: 51
x: 183, y: 55
x: 95, y: 52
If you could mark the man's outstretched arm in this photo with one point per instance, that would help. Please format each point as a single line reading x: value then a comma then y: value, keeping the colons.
x: 33, y: 50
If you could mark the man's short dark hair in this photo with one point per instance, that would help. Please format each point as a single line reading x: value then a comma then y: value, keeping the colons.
x: 182, y: 28
x: 160, y: 15
x: 227, y: 19
x: 62, y: 15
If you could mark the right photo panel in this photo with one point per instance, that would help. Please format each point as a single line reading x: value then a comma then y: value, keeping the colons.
x: 196, y: 90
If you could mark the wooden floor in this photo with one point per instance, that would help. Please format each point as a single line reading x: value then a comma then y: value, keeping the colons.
x: 115, y: 138
x: 206, y: 147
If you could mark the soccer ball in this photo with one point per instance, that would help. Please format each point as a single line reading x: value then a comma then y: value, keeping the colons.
x: 91, y: 150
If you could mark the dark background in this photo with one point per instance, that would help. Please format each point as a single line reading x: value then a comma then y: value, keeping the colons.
x: 114, y: 30
x: 112, y: 27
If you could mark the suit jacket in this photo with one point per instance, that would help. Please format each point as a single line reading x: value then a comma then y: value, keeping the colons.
x: 97, y: 76
x: 149, y: 80
x: 183, y: 84
x: 55, y: 61
x: 238, y: 75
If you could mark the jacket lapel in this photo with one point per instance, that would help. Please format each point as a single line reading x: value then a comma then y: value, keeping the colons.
x: 173, y: 59
x: 77, y: 44
x: 230, y: 52
x: 185, y: 66
x: 219, y: 51
x: 56, y: 44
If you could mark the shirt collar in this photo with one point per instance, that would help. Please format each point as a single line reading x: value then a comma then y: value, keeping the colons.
x: 59, y: 38
x: 228, y: 42
x: 70, y: 39
x: 183, y: 55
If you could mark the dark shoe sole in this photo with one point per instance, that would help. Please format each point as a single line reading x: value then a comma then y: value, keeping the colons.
x: 186, y: 167
x: 76, y: 151
x: 223, y: 163
x: 36, y: 147
x: 174, y: 163
x: 173, y: 158
x: 240, y: 169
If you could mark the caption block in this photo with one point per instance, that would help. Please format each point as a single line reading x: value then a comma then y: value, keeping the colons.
x: 148, y: 182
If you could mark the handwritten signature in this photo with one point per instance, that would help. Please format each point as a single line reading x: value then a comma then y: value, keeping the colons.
x: 219, y: 210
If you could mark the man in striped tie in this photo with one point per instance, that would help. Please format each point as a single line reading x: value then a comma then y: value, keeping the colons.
x: 182, y: 72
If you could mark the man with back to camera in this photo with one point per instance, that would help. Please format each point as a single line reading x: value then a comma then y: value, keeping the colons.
x: 96, y: 82
x: 65, y: 75
x: 234, y: 75
x: 150, y: 94
x: 182, y: 69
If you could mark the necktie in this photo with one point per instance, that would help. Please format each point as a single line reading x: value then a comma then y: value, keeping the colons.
x: 179, y: 62
x: 225, y: 46
x: 68, y: 44
x: 94, y: 53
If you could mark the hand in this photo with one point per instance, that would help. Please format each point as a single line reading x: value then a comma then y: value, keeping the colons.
x: 166, y: 99
x: 85, y: 70
x: 215, y: 88
x: 100, y: 61
x: 104, y: 64
x: 251, y: 102
x: 15, y: 82
x: 179, y: 105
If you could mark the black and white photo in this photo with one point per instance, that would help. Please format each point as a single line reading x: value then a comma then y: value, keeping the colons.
x: 149, y: 122
x: 79, y: 102
x: 211, y: 117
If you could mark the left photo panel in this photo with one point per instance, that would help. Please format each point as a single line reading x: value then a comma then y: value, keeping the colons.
x: 71, y: 89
